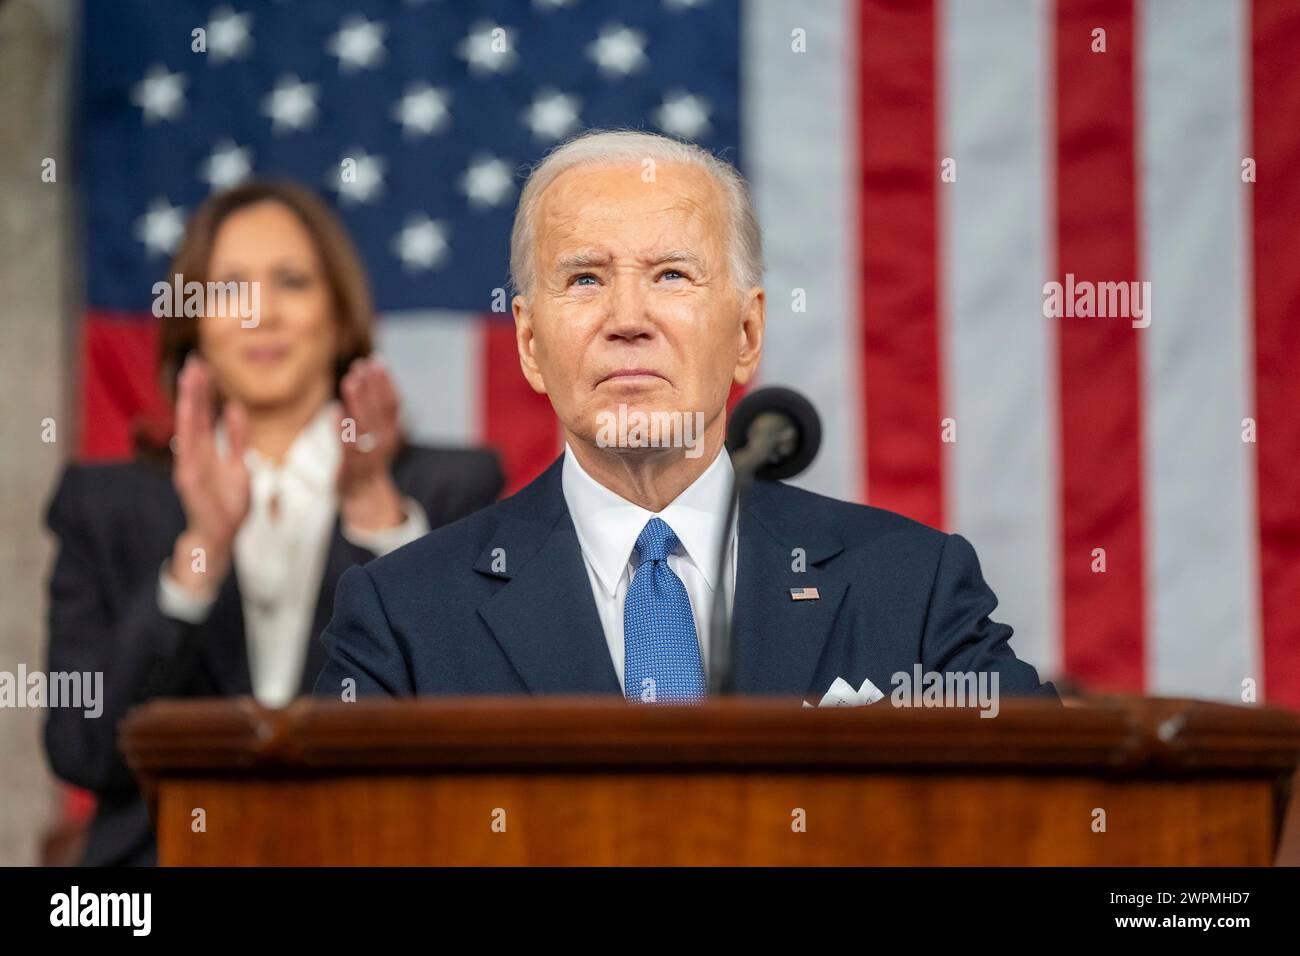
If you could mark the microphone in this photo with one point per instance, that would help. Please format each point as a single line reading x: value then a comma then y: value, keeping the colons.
x: 774, y: 433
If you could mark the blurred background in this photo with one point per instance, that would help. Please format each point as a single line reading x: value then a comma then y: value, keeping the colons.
x: 921, y: 170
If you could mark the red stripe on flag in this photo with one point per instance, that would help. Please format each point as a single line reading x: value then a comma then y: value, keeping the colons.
x: 119, y: 381
x: 517, y: 422
x: 734, y: 396
x: 1275, y: 41
x: 897, y: 118
x: 1101, y: 420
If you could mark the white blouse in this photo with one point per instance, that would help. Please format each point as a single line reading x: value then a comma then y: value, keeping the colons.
x: 280, y: 552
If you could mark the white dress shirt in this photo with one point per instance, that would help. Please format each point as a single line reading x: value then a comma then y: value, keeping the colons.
x: 608, y: 526
x: 280, y: 557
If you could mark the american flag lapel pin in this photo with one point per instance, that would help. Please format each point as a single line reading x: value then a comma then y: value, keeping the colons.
x: 804, y: 594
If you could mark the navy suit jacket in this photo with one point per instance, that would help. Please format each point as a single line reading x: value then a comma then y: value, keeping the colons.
x: 500, y: 602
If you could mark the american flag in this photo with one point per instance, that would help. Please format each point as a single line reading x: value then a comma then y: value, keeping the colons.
x: 921, y: 170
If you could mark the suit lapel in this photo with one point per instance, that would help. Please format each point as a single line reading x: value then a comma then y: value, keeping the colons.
x: 779, y: 641
x: 225, y: 649
x: 222, y: 644
x: 544, y: 616
x: 342, y: 555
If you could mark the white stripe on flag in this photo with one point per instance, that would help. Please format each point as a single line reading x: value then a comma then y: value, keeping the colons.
x: 999, y: 349
x: 435, y: 358
x: 800, y: 157
x: 1202, y: 622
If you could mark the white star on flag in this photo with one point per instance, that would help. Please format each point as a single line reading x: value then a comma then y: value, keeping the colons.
x: 487, y: 182
x: 359, y: 44
x: 422, y: 110
x: 291, y: 105
x: 362, y: 179
x: 683, y: 114
x: 161, y: 227
x: 228, y: 36
x: 422, y: 243
x: 618, y: 50
x: 160, y: 95
x: 552, y: 115
x: 228, y: 165
x: 489, y: 48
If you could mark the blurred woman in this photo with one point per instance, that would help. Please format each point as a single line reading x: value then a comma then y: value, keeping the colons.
x: 207, y: 566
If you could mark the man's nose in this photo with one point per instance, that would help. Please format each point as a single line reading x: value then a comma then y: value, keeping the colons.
x: 629, y: 316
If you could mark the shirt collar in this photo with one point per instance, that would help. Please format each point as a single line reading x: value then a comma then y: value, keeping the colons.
x: 314, y: 455
x: 608, y: 524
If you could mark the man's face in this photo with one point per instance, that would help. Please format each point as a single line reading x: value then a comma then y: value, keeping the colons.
x: 633, y: 301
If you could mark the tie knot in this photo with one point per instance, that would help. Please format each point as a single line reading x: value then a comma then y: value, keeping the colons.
x: 655, y: 542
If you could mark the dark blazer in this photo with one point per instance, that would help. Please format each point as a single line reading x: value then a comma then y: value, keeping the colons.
x: 443, y: 616
x: 116, y: 526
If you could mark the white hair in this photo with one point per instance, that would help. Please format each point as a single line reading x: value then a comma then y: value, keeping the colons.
x: 602, y: 147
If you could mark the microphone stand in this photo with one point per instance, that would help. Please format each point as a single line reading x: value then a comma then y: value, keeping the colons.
x: 770, y: 438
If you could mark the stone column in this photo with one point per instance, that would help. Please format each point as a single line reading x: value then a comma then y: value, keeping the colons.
x: 39, y: 300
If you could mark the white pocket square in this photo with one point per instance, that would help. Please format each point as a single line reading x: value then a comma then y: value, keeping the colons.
x: 842, y: 694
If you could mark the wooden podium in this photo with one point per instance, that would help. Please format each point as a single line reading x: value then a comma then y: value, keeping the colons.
x: 559, y: 781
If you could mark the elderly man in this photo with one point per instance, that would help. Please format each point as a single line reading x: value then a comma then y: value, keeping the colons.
x: 637, y: 264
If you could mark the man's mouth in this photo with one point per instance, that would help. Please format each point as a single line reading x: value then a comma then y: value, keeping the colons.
x: 631, y: 376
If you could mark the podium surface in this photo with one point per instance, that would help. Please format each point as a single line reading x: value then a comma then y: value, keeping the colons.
x: 594, y: 781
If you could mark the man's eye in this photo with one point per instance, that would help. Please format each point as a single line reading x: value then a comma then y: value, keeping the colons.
x: 585, y: 279
x: 672, y: 274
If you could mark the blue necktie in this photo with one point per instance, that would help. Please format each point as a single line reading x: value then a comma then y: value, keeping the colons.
x: 661, y: 660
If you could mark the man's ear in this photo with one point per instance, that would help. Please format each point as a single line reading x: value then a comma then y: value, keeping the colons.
x: 525, y: 340
x: 753, y: 323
